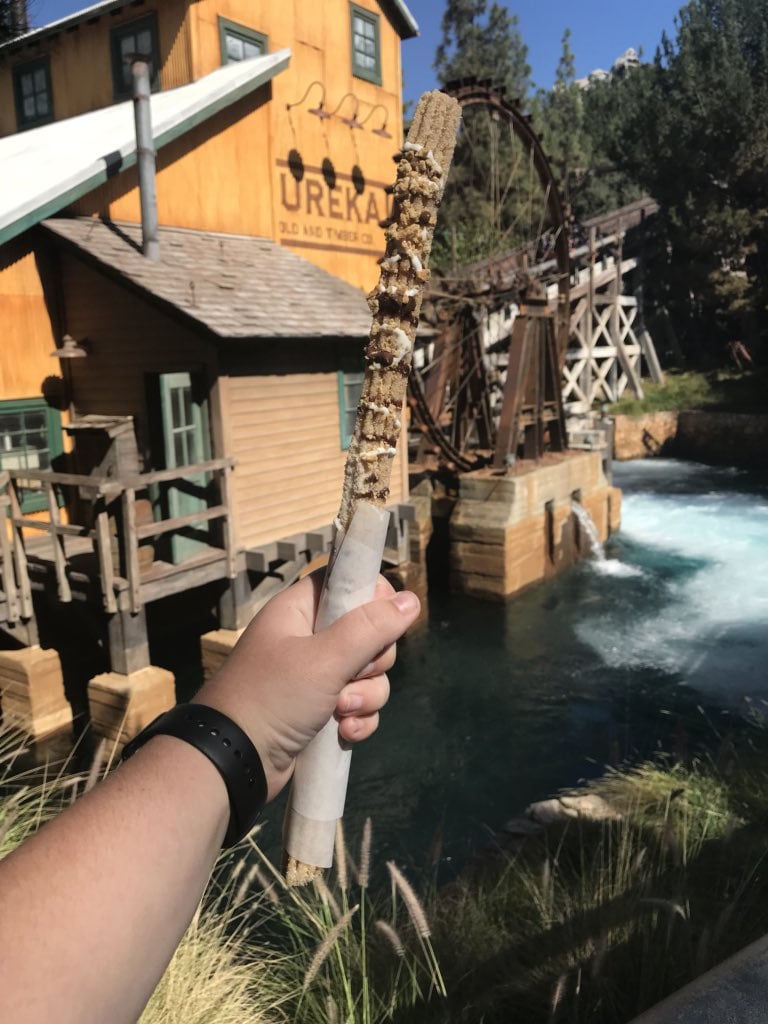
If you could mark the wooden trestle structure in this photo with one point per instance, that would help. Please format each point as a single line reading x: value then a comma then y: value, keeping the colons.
x: 608, y: 339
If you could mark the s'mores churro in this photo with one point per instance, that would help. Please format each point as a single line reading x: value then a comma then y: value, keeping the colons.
x: 320, y: 778
x: 422, y: 166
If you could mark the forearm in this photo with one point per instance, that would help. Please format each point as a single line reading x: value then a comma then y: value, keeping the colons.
x: 92, y: 910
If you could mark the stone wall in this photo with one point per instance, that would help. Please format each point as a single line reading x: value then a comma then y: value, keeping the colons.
x: 637, y: 437
x: 733, y: 439
x: 510, y: 531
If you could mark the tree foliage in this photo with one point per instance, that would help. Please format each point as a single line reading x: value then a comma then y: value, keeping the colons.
x: 692, y: 129
x: 689, y: 128
x: 484, y: 42
x: 13, y: 19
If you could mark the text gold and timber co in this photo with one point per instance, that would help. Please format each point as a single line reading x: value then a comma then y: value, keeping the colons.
x: 343, y: 217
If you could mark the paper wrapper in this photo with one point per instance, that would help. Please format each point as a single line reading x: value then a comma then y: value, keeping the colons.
x: 320, y: 779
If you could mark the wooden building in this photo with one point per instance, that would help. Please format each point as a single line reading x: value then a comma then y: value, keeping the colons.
x: 170, y: 423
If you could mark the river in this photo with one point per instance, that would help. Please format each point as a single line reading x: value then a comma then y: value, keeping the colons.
x: 661, y: 646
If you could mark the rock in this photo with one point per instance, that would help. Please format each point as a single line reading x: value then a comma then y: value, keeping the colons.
x: 589, y: 806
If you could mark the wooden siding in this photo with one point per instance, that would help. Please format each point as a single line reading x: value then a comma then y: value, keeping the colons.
x: 231, y: 174
x: 285, y: 435
x: 283, y: 429
x: 29, y: 336
x: 129, y: 338
x: 203, y: 179
x: 80, y: 60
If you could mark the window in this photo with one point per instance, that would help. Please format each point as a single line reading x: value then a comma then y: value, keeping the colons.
x: 135, y: 38
x: 30, y: 438
x: 34, y: 96
x: 366, y: 58
x: 239, y: 42
x: 350, y: 387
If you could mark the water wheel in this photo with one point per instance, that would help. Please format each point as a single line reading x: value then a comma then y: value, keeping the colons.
x: 485, y: 388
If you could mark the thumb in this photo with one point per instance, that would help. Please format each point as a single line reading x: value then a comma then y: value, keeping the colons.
x: 354, y: 640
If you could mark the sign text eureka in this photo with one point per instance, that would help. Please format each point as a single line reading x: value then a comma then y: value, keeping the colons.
x: 309, y: 209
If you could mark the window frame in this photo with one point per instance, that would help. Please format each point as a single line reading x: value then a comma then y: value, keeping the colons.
x: 30, y: 67
x: 345, y: 410
x: 250, y: 35
x: 119, y: 90
x: 34, y: 500
x: 368, y: 74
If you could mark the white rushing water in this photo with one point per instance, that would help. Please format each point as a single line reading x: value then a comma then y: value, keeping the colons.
x: 698, y: 537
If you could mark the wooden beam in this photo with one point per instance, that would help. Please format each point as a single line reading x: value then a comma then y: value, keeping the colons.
x: 131, y: 550
x: 103, y: 542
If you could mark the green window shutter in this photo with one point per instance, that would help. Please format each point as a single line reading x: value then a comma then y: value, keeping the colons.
x: 33, y: 93
x: 350, y: 388
x: 366, y: 44
x: 30, y: 438
x: 238, y: 42
x: 132, y: 38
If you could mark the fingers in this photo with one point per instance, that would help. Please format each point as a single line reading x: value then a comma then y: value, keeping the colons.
x: 352, y: 730
x: 352, y: 645
x: 363, y: 697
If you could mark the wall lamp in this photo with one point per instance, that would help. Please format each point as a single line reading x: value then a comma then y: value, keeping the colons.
x: 71, y: 349
x: 350, y: 122
x: 319, y: 110
x: 382, y: 132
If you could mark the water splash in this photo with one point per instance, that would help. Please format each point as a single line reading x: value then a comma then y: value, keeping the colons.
x: 699, y: 536
x: 587, y: 525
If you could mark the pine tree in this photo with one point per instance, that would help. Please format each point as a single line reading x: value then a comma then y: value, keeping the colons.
x: 485, y: 43
x: 13, y: 18
x: 693, y: 129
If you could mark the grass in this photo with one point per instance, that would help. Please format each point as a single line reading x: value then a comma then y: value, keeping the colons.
x: 721, y: 390
x: 584, y: 921
x: 596, y: 921
x: 258, y: 952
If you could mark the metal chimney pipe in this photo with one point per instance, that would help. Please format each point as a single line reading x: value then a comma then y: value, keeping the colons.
x: 145, y: 157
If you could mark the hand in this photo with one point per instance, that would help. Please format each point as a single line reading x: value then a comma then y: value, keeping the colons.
x: 282, y: 683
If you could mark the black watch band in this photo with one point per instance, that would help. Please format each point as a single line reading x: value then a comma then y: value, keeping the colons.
x: 228, y: 747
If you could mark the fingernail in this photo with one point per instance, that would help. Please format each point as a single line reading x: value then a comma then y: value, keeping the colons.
x: 353, y: 702
x: 407, y: 602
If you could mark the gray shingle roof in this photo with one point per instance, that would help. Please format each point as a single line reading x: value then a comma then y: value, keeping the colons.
x: 235, y: 286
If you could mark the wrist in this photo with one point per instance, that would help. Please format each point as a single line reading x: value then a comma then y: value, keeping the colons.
x: 277, y: 768
x: 218, y: 738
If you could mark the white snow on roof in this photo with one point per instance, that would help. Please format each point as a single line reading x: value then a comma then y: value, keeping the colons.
x: 47, y: 168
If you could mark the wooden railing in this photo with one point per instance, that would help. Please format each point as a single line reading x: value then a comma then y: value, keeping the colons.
x: 103, y: 493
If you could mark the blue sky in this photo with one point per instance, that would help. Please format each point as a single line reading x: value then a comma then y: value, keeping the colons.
x: 600, y: 31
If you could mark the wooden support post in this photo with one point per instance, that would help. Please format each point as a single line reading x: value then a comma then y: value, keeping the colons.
x: 10, y: 589
x: 235, y: 605
x: 131, y: 551
x: 517, y: 371
x: 59, y: 551
x: 128, y: 641
x: 103, y: 542
x: 227, y: 529
x: 589, y: 335
x: 649, y: 351
x: 20, y: 556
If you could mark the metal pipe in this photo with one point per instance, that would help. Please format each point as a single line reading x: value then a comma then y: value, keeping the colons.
x: 145, y: 158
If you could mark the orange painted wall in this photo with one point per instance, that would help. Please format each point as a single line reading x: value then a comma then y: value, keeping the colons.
x: 28, y: 334
x: 232, y: 174
x: 80, y: 62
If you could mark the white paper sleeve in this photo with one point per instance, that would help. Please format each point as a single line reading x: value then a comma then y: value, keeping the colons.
x: 319, y: 784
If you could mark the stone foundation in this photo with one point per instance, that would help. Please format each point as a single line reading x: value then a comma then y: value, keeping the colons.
x: 508, y: 532
x: 32, y: 692
x: 122, y: 705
